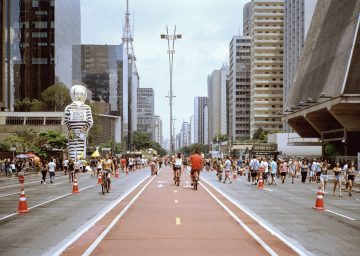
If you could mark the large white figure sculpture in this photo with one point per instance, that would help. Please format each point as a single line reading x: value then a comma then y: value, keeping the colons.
x: 79, y: 120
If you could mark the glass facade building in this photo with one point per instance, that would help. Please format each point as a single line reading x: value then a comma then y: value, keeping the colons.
x: 36, y: 46
x: 101, y: 69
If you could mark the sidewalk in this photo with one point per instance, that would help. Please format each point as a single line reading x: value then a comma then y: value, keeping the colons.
x: 171, y: 220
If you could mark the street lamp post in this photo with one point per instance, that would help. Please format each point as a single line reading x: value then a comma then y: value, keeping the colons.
x: 171, y: 52
x: 13, y: 150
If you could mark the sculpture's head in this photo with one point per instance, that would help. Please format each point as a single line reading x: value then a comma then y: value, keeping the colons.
x: 78, y: 93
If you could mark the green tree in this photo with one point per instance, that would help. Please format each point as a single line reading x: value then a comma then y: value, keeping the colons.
x: 24, y: 139
x: 52, y: 139
x: 260, y: 135
x: 220, y: 138
x: 37, y: 105
x: 142, y: 140
x: 56, y: 97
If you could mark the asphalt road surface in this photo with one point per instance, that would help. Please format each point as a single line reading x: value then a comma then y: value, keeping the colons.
x: 149, y: 215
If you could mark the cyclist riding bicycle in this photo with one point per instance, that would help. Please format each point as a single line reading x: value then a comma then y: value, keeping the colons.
x: 108, y: 167
x: 196, y: 163
x: 177, y: 166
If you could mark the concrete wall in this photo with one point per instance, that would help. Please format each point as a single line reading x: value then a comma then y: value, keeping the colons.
x: 281, y: 139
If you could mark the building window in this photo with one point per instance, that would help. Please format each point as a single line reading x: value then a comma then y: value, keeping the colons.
x: 39, y: 61
x: 41, y: 13
x: 35, y: 3
x: 40, y: 24
x: 39, y: 35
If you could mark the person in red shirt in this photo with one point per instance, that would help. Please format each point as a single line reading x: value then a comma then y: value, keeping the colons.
x: 123, y: 164
x: 196, y: 163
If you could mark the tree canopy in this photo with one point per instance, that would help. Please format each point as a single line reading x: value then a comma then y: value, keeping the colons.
x: 142, y: 140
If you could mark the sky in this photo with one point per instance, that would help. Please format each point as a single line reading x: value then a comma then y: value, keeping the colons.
x: 207, y: 27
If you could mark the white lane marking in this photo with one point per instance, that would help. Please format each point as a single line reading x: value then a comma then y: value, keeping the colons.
x: 339, y: 214
x: 29, y: 190
x: 176, y: 201
x: 46, y: 202
x: 282, y: 237
x: 267, y: 189
x: 18, y: 192
x: 160, y: 186
x: 65, y: 244
x: 241, y: 223
x: 175, y: 191
x: 112, y: 224
x: 29, y: 182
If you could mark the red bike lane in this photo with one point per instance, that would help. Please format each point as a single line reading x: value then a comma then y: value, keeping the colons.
x: 174, y: 220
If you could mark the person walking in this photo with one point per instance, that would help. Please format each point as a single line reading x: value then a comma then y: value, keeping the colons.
x: 227, y: 167
x: 254, y: 167
x: 337, y: 172
x: 351, y: 173
x: 273, y: 168
x: 304, y: 169
x: 283, y: 170
x: 323, y: 176
x: 44, y: 169
x: 51, y: 169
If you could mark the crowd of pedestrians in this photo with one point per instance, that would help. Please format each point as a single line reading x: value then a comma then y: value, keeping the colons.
x: 273, y: 172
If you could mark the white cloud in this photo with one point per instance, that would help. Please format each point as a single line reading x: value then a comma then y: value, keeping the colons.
x: 207, y: 28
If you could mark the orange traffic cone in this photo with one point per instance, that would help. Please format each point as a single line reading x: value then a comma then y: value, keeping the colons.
x: 319, y: 204
x: 99, y: 179
x: 75, y: 187
x: 261, y: 182
x: 117, y: 173
x: 22, y: 203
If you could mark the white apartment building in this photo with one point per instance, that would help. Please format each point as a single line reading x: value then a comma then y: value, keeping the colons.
x: 217, y: 82
x: 185, y: 134
x: 297, y: 18
x: 266, y: 93
x: 239, y: 88
x: 158, y: 137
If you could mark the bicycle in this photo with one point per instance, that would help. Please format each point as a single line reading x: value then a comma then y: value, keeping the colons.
x: 196, y: 179
x: 177, y: 177
x: 105, y: 183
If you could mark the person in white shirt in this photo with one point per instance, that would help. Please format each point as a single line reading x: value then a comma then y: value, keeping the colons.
x: 65, y: 166
x: 51, y: 169
x: 178, y: 165
x: 227, y: 167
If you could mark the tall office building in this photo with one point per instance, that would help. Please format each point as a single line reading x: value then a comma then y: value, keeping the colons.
x: 200, y: 119
x: 246, y: 19
x: 239, y: 88
x: 36, y: 46
x: 158, y: 137
x: 145, y: 110
x: 192, y: 128
x: 297, y: 18
x: 185, y: 134
x: 267, y: 21
x: 101, y: 68
x: 217, y: 102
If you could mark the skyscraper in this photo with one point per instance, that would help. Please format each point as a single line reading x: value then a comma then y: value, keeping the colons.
x: 200, y: 116
x: 217, y: 102
x: 185, y: 134
x: 246, y: 19
x: 101, y: 68
x: 267, y: 21
x: 297, y: 18
x: 239, y: 88
x: 145, y: 111
x: 158, y: 136
x: 36, y: 46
